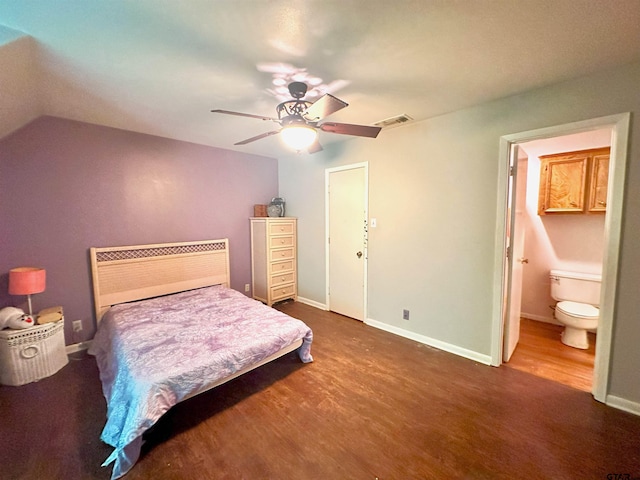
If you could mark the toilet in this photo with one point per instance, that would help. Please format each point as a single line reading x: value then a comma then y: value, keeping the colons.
x: 578, y: 297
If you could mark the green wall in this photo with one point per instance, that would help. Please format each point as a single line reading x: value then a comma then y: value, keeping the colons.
x: 433, y: 189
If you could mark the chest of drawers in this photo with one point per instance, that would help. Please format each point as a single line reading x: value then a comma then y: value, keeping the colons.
x: 273, y: 259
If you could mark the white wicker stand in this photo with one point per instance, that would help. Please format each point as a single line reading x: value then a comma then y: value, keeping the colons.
x: 31, y: 354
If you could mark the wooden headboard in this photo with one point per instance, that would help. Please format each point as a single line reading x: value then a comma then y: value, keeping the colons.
x: 125, y: 274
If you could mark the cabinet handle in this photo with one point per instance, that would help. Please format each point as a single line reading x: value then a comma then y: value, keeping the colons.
x: 604, y: 204
x: 573, y: 204
x: 282, y: 241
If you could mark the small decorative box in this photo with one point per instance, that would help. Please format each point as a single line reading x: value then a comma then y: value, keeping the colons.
x: 259, y: 210
x: 32, y: 354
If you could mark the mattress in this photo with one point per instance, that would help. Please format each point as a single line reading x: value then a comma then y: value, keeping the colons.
x: 154, y: 353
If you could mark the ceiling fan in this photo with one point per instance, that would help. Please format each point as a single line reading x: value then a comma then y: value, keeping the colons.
x: 299, y: 120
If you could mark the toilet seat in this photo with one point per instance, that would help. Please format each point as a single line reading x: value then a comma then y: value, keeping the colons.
x: 578, y: 310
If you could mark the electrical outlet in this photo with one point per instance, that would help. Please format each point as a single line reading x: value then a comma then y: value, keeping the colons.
x: 405, y: 314
x: 77, y: 325
x: 247, y: 287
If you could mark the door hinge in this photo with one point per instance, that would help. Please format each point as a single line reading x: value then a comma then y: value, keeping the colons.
x: 511, y: 170
x: 508, y: 252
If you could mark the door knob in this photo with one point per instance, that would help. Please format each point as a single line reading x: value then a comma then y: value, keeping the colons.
x: 523, y: 260
x: 359, y: 254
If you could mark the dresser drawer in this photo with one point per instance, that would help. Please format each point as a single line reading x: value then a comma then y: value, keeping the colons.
x: 281, y: 228
x: 281, y: 254
x: 282, y: 267
x: 282, y: 279
x: 281, y: 241
x: 283, y: 292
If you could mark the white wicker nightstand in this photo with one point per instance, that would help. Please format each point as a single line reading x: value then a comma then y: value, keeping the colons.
x: 32, y: 354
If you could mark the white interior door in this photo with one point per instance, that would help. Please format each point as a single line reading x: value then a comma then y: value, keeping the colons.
x: 347, y: 216
x: 516, y: 261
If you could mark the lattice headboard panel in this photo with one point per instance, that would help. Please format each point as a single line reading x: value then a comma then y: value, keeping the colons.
x: 125, y: 274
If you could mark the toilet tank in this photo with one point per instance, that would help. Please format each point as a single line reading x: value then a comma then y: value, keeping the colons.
x: 575, y: 287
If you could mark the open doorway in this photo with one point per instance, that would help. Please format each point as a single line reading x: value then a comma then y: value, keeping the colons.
x: 619, y: 125
x: 542, y: 243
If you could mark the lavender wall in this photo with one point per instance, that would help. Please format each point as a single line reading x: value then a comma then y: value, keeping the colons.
x: 66, y: 186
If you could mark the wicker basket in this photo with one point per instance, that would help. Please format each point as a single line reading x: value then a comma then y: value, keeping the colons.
x: 32, y: 354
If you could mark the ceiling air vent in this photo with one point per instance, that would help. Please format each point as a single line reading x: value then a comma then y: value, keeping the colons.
x: 394, y: 121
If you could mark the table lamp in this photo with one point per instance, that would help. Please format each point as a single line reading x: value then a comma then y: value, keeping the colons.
x: 26, y: 281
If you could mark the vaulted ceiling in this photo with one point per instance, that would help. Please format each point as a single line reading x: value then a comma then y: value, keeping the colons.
x: 160, y: 66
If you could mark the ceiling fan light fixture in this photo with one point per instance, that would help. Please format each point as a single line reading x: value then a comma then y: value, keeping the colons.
x: 298, y: 136
x: 298, y: 118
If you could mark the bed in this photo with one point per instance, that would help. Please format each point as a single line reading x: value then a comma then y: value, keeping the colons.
x: 169, y: 328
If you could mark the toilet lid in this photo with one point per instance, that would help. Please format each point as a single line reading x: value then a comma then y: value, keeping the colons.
x: 578, y: 309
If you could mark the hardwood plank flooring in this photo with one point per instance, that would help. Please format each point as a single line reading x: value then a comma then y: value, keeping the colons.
x: 541, y: 353
x: 371, y: 406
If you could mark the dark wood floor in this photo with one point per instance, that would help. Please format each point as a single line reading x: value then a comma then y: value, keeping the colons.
x: 541, y: 353
x: 372, y: 405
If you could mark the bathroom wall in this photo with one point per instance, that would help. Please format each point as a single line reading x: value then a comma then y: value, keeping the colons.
x: 563, y: 242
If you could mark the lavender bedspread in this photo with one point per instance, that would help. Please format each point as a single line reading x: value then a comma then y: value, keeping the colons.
x: 154, y: 353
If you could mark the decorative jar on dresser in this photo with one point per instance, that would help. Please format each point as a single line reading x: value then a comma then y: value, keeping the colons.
x: 273, y: 259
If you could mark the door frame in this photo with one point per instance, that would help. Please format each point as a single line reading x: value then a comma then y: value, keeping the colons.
x: 619, y: 125
x: 327, y: 172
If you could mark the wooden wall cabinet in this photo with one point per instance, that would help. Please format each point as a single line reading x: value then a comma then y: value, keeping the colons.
x: 273, y: 259
x: 599, y: 181
x: 574, y: 182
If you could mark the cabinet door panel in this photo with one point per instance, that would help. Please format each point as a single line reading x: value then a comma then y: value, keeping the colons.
x: 565, y: 179
x: 562, y: 185
x: 599, y: 183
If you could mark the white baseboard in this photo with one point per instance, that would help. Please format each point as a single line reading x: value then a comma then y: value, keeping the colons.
x: 78, y: 347
x: 432, y: 342
x: 539, y: 318
x: 312, y: 303
x: 623, y: 404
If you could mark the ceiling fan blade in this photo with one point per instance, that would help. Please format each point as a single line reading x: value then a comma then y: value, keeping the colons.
x: 229, y: 112
x: 323, y: 107
x: 350, y: 129
x: 315, y: 147
x: 258, y: 137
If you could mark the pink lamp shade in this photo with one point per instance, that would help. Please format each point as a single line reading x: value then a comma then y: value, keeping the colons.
x: 26, y: 280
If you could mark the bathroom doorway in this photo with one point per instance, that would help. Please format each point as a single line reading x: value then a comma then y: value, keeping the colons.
x: 570, y: 242
x: 616, y: 129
